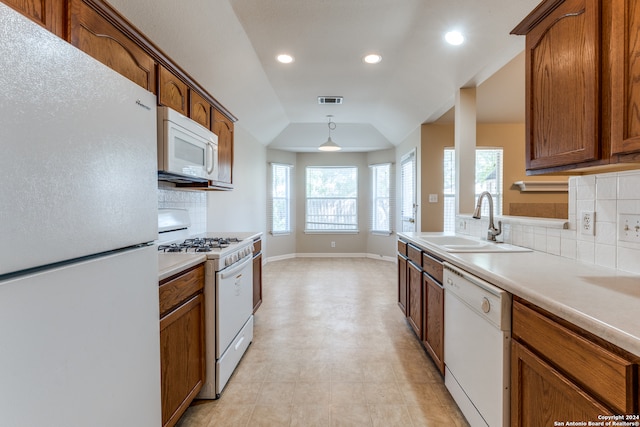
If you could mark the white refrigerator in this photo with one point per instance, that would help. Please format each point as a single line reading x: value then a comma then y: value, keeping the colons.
x: 79, y: 330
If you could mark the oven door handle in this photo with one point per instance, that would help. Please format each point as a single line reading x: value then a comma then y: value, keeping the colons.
x: 235, y: 268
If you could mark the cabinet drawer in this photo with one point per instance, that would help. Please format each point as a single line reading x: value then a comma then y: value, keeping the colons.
x: 414, y: 253
x: 597, y: 369
x: 433, y: 266
x: 179, y: 289
x: 402, y: 247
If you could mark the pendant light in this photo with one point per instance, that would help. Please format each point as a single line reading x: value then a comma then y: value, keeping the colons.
x: 329, y: 145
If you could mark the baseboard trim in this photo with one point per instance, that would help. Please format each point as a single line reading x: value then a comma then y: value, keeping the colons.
x: 327, y: 255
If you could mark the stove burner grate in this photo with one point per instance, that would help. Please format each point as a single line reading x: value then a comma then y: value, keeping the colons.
x: 199, y: 244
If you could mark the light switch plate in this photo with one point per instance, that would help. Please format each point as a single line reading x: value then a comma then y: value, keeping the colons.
x: 629, y: 228
x: 588, y: 223
x: 433, y: 198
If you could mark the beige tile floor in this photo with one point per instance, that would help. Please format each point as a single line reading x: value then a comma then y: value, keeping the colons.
x: 331, y: 348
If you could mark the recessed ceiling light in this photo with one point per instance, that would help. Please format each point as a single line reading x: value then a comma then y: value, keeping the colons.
x: 454, y: 37
x: 284, y: 58
x: 373, y: 58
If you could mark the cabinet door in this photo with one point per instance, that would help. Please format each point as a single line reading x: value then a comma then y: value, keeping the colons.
x: 200, y: 109
x: 94, y: 35
x: 48, y: 13
x: 563, y: 80
x: 402, y: 284
x: 540, y: 395
x: 182, y: 358
x: 257, y: 282
x: 434, y: 321
x: 415, y: 298
x: 172, y: 91
x: 223, y: 127
x: 625, y: 76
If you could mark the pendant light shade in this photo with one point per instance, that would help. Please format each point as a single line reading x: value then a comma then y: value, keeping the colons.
x: 329, y: 145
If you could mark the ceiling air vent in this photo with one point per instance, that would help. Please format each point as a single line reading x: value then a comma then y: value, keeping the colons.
x: 329, y: 100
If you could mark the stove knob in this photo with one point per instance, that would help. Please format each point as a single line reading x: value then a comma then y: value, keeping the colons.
x: 486, y: 305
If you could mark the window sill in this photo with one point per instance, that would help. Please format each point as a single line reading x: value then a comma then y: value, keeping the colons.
x: 381, y: 233
x: 280, y: 233
x: 331, y: 231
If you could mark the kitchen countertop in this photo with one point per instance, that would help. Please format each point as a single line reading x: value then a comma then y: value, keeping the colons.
x: 600, y: 300
x: 170, y: 264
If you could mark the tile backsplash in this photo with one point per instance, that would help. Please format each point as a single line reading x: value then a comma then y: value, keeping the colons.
x: 607, y: 195
x: 194, y: 201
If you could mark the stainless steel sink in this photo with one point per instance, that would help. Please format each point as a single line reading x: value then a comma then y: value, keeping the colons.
x: 468, y: 244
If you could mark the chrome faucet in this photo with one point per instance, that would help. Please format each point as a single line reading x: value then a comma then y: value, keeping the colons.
x: 492, y: 232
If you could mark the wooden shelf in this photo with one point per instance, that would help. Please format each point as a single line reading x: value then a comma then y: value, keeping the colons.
x: 539, y: 186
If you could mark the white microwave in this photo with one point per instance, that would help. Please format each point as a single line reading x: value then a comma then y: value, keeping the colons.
x: 185, y: 148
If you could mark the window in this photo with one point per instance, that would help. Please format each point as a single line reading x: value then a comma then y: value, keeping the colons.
x: 381, y: 198
x: 408, y: 182
x: 280, y: 198
x: 332, y: 199
x: 488, y: 178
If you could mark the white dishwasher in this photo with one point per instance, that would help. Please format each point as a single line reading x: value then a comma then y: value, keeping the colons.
x: 477, y: 338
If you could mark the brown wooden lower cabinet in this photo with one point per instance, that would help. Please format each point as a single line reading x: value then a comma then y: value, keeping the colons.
x: 415, y: 309
x: 540, y: 395
x: 560, y: 372
x: 402, y: 283
x: 182, y: 351
x: 421, y: 297
x: 433, y: 339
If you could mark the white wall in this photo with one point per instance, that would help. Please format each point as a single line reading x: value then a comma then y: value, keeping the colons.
x: 243, y: 208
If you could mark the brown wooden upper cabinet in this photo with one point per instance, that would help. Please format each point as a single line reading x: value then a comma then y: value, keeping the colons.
x: 625, y: 78
x: 50, y: 14
x: 172, y: 91
x: 94, y: 27
x: 582, y: 89
x: 200, y: 109
x: 223, y: 127
x: 96, y: 36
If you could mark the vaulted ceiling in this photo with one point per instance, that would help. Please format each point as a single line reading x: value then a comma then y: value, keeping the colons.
x: 230, y: 47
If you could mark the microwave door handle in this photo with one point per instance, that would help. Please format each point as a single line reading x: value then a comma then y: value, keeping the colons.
x: 210, y: 162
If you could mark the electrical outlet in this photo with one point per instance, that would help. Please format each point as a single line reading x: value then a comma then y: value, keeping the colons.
x: 629, y: 228
x: 333, y: 244
x: 588, y: 223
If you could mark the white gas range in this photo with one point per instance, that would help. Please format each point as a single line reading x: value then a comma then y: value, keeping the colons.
x: 228, y: 292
